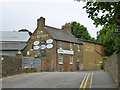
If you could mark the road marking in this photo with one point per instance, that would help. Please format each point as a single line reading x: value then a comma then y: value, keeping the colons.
x: 83, y: 81
x: 86, y: 81
x: 91, y: 80
x: 10, y: 77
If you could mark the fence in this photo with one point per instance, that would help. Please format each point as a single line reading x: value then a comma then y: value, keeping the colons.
x: 30, y: 62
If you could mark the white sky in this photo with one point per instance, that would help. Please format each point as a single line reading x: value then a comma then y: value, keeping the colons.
x: 23, y: 14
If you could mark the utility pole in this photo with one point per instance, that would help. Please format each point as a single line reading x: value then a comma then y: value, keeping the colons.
x: 40, y: 50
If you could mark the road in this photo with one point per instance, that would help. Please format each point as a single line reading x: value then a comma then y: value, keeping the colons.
x: 86, y: 79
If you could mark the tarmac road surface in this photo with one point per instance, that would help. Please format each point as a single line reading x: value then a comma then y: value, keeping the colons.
x: 83, y: 79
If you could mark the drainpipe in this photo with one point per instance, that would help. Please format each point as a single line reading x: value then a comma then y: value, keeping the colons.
x: 56, y: 55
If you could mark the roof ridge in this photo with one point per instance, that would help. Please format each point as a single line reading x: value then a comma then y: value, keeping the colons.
x: 52, y: 27
x: 90, y: 41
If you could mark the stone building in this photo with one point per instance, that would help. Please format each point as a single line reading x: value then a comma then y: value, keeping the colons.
x: 61, y: 51
x: 93, y: 53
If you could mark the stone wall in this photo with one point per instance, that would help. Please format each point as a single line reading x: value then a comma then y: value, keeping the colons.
x: 119, y: 68
x: 12, y: 66
x: 112, y: 65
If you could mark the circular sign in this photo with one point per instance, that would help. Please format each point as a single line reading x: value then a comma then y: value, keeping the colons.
x: 42, y: 46
x: 36, y: 47
x: 49, y: 46
x: 36, y: 42
x: 49, y: 41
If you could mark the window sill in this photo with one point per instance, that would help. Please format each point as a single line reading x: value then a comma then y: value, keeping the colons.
x: 60, y: 63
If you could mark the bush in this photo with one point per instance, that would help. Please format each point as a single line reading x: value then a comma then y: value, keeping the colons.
x: 105, y: 57
x: 102, y: 66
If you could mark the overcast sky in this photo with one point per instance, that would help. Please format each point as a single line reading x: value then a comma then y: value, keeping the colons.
x: 23, y: 14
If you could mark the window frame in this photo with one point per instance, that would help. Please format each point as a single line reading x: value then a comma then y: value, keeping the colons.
x: 60, y: 44
x: 70, y: 59
x: 60, y: 57
x: 78, y: 46
x: 71, y: 46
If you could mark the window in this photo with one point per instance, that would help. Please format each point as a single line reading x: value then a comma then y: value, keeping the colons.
x: 71, y: 46
x: 60, y: 45
x: 77, y: 58
x: 60, y: 59
x: 78, y: 48
x: 71, y: 59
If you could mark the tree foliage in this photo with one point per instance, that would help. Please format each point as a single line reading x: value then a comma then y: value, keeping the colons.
x: 80, y: 31
x: 109, y: 39
x: 103, y: 13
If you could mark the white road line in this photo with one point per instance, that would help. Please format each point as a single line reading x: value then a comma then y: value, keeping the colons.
x: 91, y: 80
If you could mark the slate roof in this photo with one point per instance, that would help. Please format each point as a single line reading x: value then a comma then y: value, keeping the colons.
x: 12, y: 46
x: 10, y: 36
x: 62, y: 35
x: 82, y: 40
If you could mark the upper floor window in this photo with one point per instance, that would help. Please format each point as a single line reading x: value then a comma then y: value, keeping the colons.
x: 78, y: 48
x: 60, y: 44
x: 71, y: 46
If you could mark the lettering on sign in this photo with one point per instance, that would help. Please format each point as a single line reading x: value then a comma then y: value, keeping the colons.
x: 38, y: 36
x: 65, y: 51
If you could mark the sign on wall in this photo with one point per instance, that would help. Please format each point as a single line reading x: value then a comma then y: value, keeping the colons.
x: 36, y: 42
x: 43, y: 41
x: 43, y: 51
x: 36, y: 47
x: 65, y: 51
x: 42, y: 46
x: 49, y: 41
x: 49, y: 46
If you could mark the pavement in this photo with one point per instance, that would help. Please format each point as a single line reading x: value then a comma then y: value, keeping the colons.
x: 84, y: 79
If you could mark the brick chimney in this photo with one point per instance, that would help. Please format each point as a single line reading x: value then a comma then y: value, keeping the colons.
x: 41, y: 22
x: 67, y: 27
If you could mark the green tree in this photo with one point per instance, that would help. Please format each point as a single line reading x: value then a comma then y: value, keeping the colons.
x: 109, y: 39
x: 103, y: 13
x: 79, y: 31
